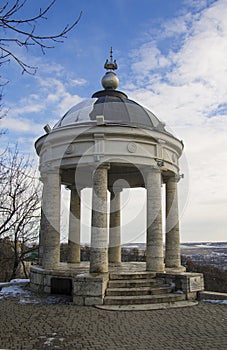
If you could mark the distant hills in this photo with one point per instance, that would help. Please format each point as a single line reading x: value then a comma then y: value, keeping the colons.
x: 205, y: 245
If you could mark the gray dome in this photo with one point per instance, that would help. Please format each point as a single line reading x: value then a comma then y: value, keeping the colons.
x: 116, y: 108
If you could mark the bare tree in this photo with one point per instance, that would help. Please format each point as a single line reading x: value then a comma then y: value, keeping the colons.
x: 19, y: 201
x: 6, y: 259
x: 19, y: 204
x: 20, y: 31
x: 17, y: 30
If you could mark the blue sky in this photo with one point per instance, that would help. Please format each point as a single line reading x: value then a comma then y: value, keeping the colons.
x: 172, y: 59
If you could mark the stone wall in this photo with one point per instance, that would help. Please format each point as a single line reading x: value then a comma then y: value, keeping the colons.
x: 187, y: 282
x: 87, y: 289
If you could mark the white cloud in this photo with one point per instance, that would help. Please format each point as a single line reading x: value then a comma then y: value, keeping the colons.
x: 22, y: 125
x: 26, y: 108
x: 147, y: 57
x: 57, y: 96
x: 203, y: 55
x: 78, y: 82
x: 187, y: 89
x: 67, y: 102
x: 54, y: 69
x: 48, y: 104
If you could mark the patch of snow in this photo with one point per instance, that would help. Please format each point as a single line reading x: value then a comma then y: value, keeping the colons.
x: 48, y: 341
x: 14, y: 292
x: 215, y: 301
x: 25, y: 296
x: 17, y: 281
x: 178, y: 292
x: 29, y: 300
x: 20, y: 280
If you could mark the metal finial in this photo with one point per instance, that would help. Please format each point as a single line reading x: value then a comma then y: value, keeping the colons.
x: 111, y: 65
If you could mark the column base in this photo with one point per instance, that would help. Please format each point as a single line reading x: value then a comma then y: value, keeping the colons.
x: 155, y: 265
x: 98, y: 260
x: 175, y: 269
x: 50, y: 266
x: 114, y: 255
x: 173, y: 262
x: 73, y: 252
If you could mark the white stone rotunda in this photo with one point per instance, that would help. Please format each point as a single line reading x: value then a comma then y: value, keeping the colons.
x: 105, y: 143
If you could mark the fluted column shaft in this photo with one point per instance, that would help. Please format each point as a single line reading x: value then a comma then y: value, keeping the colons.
x: 172, y: 254
x: 99, y: 230
x: 115, y: 229
x: 50, y: 217
x: 74, y: 227
x: 154, y: 254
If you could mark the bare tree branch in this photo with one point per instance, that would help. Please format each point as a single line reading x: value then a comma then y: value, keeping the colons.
x: 19, y: 203
x: 24, y: 33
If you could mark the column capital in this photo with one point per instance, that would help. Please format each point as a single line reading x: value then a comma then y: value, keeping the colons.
x: 47, y: 169
x: 103, y: 166
x: 152, y: 177
x: 151, y: 169
x: 174, y: 178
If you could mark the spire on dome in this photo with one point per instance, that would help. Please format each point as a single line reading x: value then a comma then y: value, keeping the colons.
x: 111, y: 65
x: 110, y: 80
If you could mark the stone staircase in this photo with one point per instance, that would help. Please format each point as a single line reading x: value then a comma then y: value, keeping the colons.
x: 139, y: 288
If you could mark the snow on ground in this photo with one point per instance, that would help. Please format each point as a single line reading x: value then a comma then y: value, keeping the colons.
x: 14, y: 281
x: 14, y: 289
x: 14, y: 292
x: 223, y: 302
x: 19, y: 280
x: 25, y: 296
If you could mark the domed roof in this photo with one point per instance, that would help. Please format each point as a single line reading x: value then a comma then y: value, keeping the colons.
x: 116, y: 109
x: 114, y: 106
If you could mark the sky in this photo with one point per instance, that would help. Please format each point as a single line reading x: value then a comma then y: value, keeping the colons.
x: 172, y: 59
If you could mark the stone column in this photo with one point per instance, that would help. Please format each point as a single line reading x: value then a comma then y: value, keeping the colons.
x: 74, y: 227
x: 50, y: 224
x: 41, y: 234
x: 172, y: 254
x: 115, y: 228
x: 154, y: 254
x: 99, y: 230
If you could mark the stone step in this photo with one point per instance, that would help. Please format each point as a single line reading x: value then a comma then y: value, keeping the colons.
x: 132, y: 275
x: 138, y: 291
x: 143, y: 299
x: 131, y: 283
x: 145, y: 307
